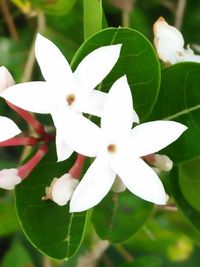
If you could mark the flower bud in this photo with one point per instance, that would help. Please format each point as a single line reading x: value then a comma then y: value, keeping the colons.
x: 163, y: 162
x: 6, y: 79
x: 9, y: 178
x: 61, y: 189
x: 118, y: 186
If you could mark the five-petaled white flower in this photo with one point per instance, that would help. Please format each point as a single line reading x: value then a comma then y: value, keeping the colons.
x: 169, y: 44
x: 64, y: 90
x: 119, y: 150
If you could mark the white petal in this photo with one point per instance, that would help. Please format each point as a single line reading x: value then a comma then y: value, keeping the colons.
x: 139, y: 178
x: 8, y: 129
x: 96, y: 65
x: 53, y: 65
x: 150, y: 137
x: 118, y: 186
x: 77, y: 132
x: 94, y: 103
x: 63, y: 189
x: 168, y: 40
x: 6, y: 79
x: 117, y: 114
x: 93, y: 187
x: 9, y: 179
x: 62, y: 149
x: 32, y: 96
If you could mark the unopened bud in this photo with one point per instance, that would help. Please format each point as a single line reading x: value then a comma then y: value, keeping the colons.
x: 61, y: 189
x: 118, y: 186
x: 6, y: 79
x: 9, y: 178
x: 163, y: 162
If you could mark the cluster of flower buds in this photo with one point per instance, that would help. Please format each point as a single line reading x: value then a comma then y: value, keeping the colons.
x: 119, y: 150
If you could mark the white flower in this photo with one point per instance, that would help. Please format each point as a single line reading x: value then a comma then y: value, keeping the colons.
x: 61, y: 189
x: 64, y: 90
x: 6, y: 79
x: 169, y: 44
x: 119, y: 150
x: 8, y: 129
x: 9, y: 178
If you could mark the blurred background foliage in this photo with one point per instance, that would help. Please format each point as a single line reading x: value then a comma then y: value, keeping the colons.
x: 168, y: 239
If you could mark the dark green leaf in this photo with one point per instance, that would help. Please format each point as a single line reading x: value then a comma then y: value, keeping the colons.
x: 51, y: 228
x: 119, y: 216
x: 179, y: 100
x: 138, y: 61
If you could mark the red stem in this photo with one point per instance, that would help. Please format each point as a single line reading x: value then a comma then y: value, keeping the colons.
x: 29, y: 118
x: 76, y: 169
x: 20, y: 141
x: 27, y: 168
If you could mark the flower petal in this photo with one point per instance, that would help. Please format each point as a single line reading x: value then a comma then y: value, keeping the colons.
x: 96, y: 65
x: 150, y: 137
x: 94, y: 103
x: 53, y: 65
x: 93, y: 187
x: 77, y: 132
x: 32, y: 96
x: 62, y: 149
x: 6, y: 79
x: 139, y: 178
x: 8, y: 129
x: 168, y: 40
x: 117, y: 114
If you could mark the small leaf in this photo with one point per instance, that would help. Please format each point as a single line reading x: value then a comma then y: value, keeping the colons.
x: 92, y: 17
x: 119, y: 216
x: 17, y: 256
x: 179, y: 100
x: 50, y: 228
x: 137, y: 60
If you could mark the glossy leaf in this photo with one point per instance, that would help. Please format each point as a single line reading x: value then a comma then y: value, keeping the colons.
x: 138, y: 61
x: 51, y: 228
x: 92, y: 17
x: 119, y: 216
x: 179, y: 100
x: 189, y: 211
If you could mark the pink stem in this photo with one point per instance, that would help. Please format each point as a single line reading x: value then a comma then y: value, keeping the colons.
x: 29, y: 118
x: 27, y: 168
x: 20, y: 141
x: 76, y: 169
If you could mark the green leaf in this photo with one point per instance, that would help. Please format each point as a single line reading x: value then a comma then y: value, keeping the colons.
x: 189, y: 211
x: 138, y: 61
x: 119, y: 216
x: 144, y: 261
x: 50, y: 228
x: 179, y: 100
x: 56, y: 7
x: 17, y: 256
x: 190, y: 182
x: 92, y: 17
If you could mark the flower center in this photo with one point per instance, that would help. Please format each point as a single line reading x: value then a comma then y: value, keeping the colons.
x: 70, y: 99
x: 111, y: 148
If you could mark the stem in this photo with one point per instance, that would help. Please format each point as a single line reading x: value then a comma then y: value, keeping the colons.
x: 179, y: 13
x: 127, y: 8
x: 29, y: 118
x: 20, y: 141
x: 167, y: 208
x: 76, y: 169
x: 9, y: 21
x: 124, y: 253
x: 27, y: 168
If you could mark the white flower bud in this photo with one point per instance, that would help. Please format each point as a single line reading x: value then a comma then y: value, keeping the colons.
x: 118, y: 186
x: 6, y: 79
x: 163, y: 162
x: 61, y: 189
x: 9, y: 178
